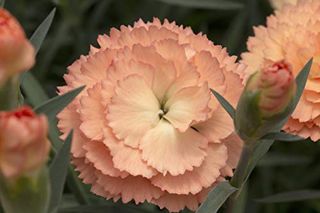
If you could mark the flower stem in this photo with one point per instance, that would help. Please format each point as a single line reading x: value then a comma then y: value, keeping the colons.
x: 240, y: 175
x: 9, y: 94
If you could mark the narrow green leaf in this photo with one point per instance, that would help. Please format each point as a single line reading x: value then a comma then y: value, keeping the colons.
x: 112, y: 208
x: 2, y: 3
x: 32, y: 89
x: 225, y: 104
x: 260, y: 150
x: 58, y: 173
x: 206, y: 4
x: 301, y: 80
x: 216, y: 198
x: 55, y: 105
x: 281, y: 159
x: 292, y: 196
x: 39, y: 35
x: 282, y: 136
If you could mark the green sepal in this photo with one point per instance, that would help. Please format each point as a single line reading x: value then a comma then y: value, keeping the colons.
x: 29, y: 193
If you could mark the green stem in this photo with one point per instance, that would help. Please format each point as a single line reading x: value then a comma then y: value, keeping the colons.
x: 10, y: 94
x: 240, y: 175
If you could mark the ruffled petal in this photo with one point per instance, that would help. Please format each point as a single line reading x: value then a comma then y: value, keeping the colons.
x: 127, y: 159
x: 182, y: 112
x: 201, y: 177
x: 133, y: 110
x: 130, y: 188
x: 168, y: 150
x: 218, y: 127
x: 99, y: 155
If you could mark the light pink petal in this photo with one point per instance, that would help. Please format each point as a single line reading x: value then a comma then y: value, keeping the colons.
x: 86, y: 170
x: 201, y: 177
x: 69, y: 120
x: 188, y: 105
x: 168, y: 150
x: 218, y: 127
x: 165, y: 72
x: 234, y: 146
x: 130, y: 188
x: 133, y: 110
x: 99, y: 155
x: 127, y: 159
x: 176, y: 203
x: 92, y: 112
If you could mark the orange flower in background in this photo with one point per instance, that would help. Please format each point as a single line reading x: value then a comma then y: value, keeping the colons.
x: 292, y: 35
x: 147, y: 128
x: 17, y: 54
x: 24, y: 146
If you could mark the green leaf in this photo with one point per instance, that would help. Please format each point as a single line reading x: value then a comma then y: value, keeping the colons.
x: 98, y: 208
x: 301, y: 81
x: 58, y: 173
x: 260, y: 150
x: 282, y: 136
x: 216, y: 198
x: 292, y: 196
x: 39, y: 35
x: 55, y: 105
x: 206, y: 4
x: 32, y: 89
x: 2, y: 3
x: 225, y: 104
x: 281, y: 159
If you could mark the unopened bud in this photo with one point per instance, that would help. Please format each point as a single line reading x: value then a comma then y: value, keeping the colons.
x: 266, y: 100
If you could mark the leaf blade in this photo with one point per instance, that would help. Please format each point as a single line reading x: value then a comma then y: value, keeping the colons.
x: 206, y: 4
x: 2, y: 3
x: 58, y: 173
x: 216, y: 198
x: 301, y: 81
x: 282, y: 136
x: 53, y: 106
x: 225, y: 104
x: 292, y: 196
x: 39, y: 35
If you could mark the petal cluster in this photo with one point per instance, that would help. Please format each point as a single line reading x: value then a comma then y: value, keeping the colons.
x: 292, y: 35
x: 24, y: 146
x: 146, y: 127
x: 17, y: 54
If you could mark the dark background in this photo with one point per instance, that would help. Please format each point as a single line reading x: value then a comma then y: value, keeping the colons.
x: 288, y: 166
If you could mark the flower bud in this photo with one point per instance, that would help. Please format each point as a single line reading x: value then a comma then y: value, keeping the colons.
x: 24, y: 148
x: 266, y: 101
x: 17, y: 54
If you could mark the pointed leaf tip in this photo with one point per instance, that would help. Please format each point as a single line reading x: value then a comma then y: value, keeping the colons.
x: 58, y: 172
x: 55, y: 105
x: 301, y: 81
x: 41, y: 32
x: 225, y: 104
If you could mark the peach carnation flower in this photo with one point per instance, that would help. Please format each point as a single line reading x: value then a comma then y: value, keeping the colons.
x: 292, y: 35
x: 24, y: 146
x: 146, y: 128
x: 17, y: 54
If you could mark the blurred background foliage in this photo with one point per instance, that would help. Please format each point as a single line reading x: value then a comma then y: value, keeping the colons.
x: 287, y: 167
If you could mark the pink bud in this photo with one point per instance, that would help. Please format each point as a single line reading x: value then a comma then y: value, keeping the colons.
x: 17, y: 54
x: 24, y: 146
x: 277, y: 87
